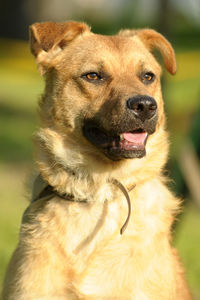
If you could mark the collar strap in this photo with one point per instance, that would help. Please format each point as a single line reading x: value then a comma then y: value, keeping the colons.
x: 43, y: 190
x: 125, y: 192
x: 47, y: 192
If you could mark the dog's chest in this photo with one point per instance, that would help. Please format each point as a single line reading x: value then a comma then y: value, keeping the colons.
x: 121, y: 269
x: 133, y: 266
x: 128, y: 266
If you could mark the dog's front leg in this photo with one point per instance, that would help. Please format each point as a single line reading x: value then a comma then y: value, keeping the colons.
x: 40, y: 268
x: 37, y: 276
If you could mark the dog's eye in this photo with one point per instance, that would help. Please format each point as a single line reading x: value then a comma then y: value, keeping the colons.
x: 148, y: 77
x: 92, y: 76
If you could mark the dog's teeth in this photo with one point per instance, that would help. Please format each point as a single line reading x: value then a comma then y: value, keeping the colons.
x: 121, y: 137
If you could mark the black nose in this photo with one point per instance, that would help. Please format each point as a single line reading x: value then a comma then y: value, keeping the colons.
x: 143, y: 107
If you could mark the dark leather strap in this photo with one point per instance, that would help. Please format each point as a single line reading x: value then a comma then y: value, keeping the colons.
x: 48, y: 192
x: 125, y: 192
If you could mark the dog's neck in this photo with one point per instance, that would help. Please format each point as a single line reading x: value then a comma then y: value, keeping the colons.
x: 70, y: 171
x: 43, y: 191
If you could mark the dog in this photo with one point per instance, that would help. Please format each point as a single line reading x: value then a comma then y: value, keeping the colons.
x: 99, y: 223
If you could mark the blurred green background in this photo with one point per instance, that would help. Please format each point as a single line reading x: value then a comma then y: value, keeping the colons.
x: 21, y: 85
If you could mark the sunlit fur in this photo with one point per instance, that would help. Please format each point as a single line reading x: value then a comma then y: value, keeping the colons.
x: 73, y: 250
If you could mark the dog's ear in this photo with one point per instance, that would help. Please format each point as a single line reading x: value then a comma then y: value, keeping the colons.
x: 49, y: 35
x: 154, y: 40
x: 49, y: 38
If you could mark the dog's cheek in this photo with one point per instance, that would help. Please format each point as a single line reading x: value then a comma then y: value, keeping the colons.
x: 157, y: 95
x: 69, y: 108
x: 161, y: 114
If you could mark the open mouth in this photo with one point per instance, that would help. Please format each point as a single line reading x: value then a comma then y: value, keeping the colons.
x: 135, y: 140
x: 129, y: 144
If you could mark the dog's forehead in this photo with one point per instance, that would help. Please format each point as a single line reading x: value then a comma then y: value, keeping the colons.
x: 114, y: 49
x: 113, y: 42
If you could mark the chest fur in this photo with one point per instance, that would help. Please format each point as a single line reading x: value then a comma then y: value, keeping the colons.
x: 125, y: 267
x: 135, y: 265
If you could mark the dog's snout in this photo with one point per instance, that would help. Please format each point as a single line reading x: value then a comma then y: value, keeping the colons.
x: 143, y: 107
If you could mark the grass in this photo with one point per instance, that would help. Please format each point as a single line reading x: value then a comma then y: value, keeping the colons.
x: 11, y: 206
x: 20, y: 86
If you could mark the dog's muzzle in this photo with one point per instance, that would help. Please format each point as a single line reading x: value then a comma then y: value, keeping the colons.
x: 127, y: 137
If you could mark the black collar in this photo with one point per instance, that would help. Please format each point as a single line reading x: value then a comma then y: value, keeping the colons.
x: 49, y: 192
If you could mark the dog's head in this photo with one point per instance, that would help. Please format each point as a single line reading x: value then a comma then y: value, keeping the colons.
x: 102, y: 92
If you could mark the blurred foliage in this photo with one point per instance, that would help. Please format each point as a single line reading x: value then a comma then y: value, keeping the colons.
x: 21, y: 85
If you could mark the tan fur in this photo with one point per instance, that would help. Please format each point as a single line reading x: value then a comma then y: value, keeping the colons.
x: 73, y: 250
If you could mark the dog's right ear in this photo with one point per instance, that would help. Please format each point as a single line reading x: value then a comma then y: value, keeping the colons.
x: 49, y: 38
x: 154, y: 40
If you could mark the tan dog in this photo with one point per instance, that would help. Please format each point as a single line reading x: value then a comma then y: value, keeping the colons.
x: 100, y: 152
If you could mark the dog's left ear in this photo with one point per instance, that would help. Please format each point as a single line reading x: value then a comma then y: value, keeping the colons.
x: 154, y: 40
x: 49, y: 38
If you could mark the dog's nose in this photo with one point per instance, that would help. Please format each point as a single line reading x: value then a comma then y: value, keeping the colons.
x: 143, y: 107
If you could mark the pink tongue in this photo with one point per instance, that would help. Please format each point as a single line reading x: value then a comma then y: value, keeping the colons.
x: 136, y: 138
